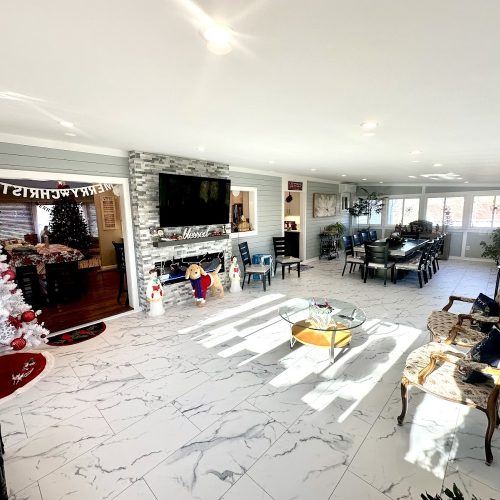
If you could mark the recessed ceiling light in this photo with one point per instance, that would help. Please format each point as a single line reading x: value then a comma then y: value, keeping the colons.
x: 380, y: 182
x: 460, y: 178
x: 415, y: 161
x: 70, y: 134
x: 437, y: 165
x: 343, y: 175
x: 201, y: 148
x: 218, y: 39
x: 466, y: 182
x: 66, y: 124
x: 313, y: 169
x: 364, y: 179
x: 369, y: 125
x: 416, y: 152
x: 369, y: 134
x: 271, y: 162
x: 412, y: 176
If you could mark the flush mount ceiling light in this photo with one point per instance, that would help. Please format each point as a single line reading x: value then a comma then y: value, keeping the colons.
x: 70, y: 134
x: 313, y: 169
x: 369, y: 134
x: 235, y: 193
x: 201, y: 148
x: 218, y: 38
x: 415, y: 161
x: 66, y: 124
x: 364, y: 179
x: 450, y: 176
x: 416, y: 152
x: 369, y: 125
x: 343, y: 175
x: 437, y: 165
x: 412, y: 176
x: 271, y: 162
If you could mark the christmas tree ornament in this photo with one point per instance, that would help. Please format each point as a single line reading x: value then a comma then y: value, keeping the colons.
x: 9, y: 275
x: 18, y: 344
x: 14, y: 322
x: 28, y: 316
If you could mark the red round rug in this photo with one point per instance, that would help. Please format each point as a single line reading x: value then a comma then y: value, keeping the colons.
x: 78, y: 335
x: 21, y: 369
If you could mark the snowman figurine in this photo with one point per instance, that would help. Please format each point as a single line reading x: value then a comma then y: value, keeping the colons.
x: 234, y: 275
x: 154, y: 294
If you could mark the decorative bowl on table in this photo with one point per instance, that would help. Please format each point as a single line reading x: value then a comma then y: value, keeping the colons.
x: 321, y: 315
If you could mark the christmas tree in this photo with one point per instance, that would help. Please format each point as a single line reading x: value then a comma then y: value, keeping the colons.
x: 67, y: 225
x: 18, y: 324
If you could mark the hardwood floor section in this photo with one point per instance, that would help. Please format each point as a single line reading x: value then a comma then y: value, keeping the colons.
x: 98, y: 301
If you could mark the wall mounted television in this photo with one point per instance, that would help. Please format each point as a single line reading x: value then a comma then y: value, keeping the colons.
x: 193, y: 201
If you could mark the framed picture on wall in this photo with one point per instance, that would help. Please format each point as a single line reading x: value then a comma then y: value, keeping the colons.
x: 324, y: 205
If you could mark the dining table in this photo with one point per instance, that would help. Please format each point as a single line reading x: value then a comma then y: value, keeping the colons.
x: 41, y: 254
x: 403, y: 250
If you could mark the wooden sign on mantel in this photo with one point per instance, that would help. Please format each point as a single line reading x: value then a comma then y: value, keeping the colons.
x: 108, y: 211
x: 294, y: 186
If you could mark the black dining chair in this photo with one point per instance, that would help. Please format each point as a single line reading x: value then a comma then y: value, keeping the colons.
x: 373, y: 235
x: 281, y: 258
x: 377, y: 257
x: 64, y: 283
x: 417, y: 262
x: 122, y: 269
x: 251, y: 269
x: 356, y: 240
x: 29, y: 283
x: 350, y: 258
x: 365, y: 237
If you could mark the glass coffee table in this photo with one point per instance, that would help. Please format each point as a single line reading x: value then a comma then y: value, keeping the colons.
x: 327, y: 324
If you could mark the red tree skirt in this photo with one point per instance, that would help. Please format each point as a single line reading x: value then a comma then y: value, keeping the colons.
x: 20, y: 369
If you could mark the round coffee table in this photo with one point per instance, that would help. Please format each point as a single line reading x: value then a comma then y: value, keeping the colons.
x: 333, y: 330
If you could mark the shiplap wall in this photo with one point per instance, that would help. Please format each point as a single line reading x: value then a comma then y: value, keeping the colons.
x: 20, y: 157
x: 269, y: 211
x: 16, y: 220
x: 315, y: 224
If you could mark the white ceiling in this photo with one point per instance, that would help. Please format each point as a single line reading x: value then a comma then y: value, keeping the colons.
x: 302, y: 77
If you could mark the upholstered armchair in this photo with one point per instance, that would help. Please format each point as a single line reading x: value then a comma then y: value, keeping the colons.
x: 451, y: 328
x: 439, y: 370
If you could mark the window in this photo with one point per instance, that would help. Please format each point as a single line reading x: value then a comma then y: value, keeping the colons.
x: 402, y: 210
x: 243, y: 203
x: 446, y: 212
x: 486, y: 211
x: 375, y: 220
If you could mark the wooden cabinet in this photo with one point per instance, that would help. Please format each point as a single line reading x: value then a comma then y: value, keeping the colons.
x: 292, y: 243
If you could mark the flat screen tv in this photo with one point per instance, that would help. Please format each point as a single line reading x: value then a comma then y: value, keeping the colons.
x: 193, y: 201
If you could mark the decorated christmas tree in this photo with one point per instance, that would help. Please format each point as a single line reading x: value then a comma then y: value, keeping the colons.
x: 67, y: 225
x: 19, y: 327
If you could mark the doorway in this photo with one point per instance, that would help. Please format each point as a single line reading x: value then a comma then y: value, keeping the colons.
x: 74, y: 290
x: 292, y: 222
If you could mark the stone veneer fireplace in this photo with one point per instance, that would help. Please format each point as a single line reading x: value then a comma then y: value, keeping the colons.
x: 144, y: 170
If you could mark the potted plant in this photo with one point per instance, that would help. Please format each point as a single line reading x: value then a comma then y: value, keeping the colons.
x: 368, y: 204
x: 338, y: 228
x: 492, y: 250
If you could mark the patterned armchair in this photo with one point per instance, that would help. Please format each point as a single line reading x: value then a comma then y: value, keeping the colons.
x: 439, y: 370
x: 451, y: 328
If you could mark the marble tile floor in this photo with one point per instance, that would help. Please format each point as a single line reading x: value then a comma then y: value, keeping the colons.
x: 211, y: 403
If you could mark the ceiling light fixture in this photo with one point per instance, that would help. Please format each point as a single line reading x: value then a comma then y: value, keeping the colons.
x: 416, y: 152
x: 313, y: 169
x: 437, y: 165
x: 369, y: 125
x: 369, y: 134
x: 218, y: 38
x: 466, y: 182
x: 271, y: 162
x: 415, y: 161
x: 343, y: 175
x: 66, y: 124
x: 201, y: 148
x: 364, y: 179
x: 70, y: 134
x: 412, y: 176
x: 380, y: 182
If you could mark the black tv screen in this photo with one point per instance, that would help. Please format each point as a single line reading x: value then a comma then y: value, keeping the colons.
x: 193, y: 201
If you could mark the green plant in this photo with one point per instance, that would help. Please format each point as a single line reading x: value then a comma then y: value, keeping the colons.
x: 337, y: 228
x: 454, y: 494
x: 492, y: 250
x: 367, y: 204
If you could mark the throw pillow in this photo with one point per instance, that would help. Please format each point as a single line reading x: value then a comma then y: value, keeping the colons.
x: 486, y: 306
x: 485, y: 351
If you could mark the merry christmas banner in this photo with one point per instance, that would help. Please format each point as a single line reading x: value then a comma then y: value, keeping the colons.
x: 53, y: 194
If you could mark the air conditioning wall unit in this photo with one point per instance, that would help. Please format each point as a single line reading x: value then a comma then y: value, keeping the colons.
x: 347, y: 188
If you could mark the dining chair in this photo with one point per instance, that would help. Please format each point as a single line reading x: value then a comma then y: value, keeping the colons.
x: 122, y: 269
x: 64, y: 282
x: 498, y: 278
x: 281, y: 258
x: 365, y: 237
x: 356, y: 240
x: 350, y: 258
x: 377, y: 257
x: 251, y: 269
x: 417, y: 262
x: 29, y: 283
x: 373, y: 235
